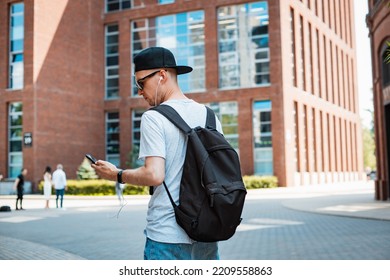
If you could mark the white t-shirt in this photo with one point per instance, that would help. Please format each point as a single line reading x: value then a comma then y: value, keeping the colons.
x: 161, y: 138
x: 59, y: 179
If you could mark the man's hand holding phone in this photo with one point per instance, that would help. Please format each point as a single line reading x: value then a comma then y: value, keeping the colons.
x: 104, y: 169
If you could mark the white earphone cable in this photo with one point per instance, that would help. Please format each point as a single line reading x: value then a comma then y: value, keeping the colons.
x: 155, y: 95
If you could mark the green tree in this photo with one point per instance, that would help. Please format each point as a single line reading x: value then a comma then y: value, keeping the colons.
x: 369, y: 158
x: 132, y: 158
x: 85, y: 171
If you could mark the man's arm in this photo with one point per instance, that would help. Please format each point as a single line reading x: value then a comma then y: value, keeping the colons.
x: 152, y: 173
x: 16, y: 183
x: 65, y: 183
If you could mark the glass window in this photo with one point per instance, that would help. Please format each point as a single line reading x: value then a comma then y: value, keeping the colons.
x: 386, y: 66
x: 296, y: 137
x: 16, y: 42
x: 137, y: 114
x: 183, y: 34
x: 243, y: 45
x: 262, y: 132
x: 166, y: 1
x: 117, y: 5
x: 15, y: 128
x: 112, y: 62
x: 136, y: 134
x: 227, y: 113
x: 112, y: 138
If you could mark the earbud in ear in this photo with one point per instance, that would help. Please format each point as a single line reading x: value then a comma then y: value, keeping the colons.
x: 161, y: 78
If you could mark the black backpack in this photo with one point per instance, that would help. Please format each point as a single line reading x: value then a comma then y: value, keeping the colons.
x: 5, y: 208
x: 212, y: 192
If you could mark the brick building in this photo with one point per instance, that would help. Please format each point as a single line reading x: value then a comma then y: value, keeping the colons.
x: 378, y: 21
x: 281, y: 75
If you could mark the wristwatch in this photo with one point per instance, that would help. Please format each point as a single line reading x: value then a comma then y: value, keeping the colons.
x: 119, y: 177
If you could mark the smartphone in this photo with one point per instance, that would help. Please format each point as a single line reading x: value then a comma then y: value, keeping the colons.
x: 91, y: 158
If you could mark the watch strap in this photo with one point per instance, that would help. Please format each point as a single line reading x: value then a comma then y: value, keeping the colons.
x: 119, y: 177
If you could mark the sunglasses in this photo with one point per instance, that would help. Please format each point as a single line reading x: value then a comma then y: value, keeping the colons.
x: 140, y: 83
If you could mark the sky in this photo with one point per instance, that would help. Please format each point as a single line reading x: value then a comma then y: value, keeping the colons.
x: 364, y: 67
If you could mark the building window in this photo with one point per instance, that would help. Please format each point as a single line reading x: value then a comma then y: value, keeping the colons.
x: 326, y: 49
x: 183, y: 34
x: 385, y: 66
x: 302, y: 64
x: 166, y: 1
x: 15, y: 128
x: 296, y: 138
x: 136, y: 138
x: 117, y: 5
x: 136, y: 120
x: 16, y: 41
x: 227, y: 113
x: 313, y: 140
x: 305, y: 139
x: 310, y: 68
x: 243, y: 45
x: 112, y: 138
x: 112, y: 62
x: 262, y: 133
x: 292, y: 35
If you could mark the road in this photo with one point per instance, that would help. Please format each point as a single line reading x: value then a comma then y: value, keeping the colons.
x: 274, y: 227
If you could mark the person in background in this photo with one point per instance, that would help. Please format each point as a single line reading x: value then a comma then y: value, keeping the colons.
x: 59, y: 181
x: 47, y: 185
x: 19, y: 187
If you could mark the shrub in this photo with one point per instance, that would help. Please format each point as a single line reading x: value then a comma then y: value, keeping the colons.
x: 260, y: 182
x: 85, y: 171
x: 98, y: 187
x: 105, y: 187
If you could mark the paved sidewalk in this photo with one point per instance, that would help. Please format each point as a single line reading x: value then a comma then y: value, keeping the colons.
x: 349, y: 199
x: 36, y: 201
x: 16, y: 249
x: 344, y: 199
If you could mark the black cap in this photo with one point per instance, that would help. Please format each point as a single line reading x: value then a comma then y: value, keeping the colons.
x: 158, y: 57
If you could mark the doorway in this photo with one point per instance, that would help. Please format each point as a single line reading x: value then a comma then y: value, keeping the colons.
x: 387, y: 127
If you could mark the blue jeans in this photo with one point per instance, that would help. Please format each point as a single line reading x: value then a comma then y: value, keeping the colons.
x: 167, y: 251
x: 61, y: 194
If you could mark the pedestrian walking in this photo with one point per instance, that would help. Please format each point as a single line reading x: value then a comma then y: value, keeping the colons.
x: 19, y: 187
x: 163, y: 149
x: 47, y: 185
x: 59, y: 181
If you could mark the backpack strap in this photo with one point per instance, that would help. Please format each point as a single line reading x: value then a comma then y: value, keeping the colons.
x: 173, y: 117
x: 177, y: 120
x: 210, y: 121
x: 170, y: 196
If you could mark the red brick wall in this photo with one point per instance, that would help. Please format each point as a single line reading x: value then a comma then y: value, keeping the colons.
x: 378, y: 23
x: 69, y: 85
x: 64, y: 85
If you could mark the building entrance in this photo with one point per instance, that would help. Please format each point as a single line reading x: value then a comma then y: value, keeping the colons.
x: 387, y: 126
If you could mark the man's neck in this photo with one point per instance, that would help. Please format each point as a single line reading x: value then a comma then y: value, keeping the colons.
x: 175, y: 94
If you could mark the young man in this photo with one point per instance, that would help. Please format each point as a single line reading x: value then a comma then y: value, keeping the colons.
x: 19, y: 187
x: 163, y: 149
x: 59, y: 182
